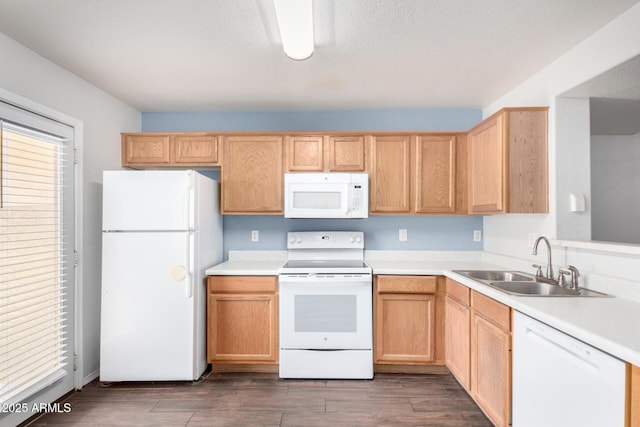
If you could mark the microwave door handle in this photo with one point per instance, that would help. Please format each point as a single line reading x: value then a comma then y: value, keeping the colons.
x: 346, y: 196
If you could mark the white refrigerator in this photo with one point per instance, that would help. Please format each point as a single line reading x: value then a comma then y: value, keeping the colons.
x: 161, y: 230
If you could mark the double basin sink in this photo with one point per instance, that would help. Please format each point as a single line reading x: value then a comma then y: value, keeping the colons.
x: 523, y: 284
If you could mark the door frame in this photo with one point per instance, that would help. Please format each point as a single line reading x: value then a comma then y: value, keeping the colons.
x: 78, y: 131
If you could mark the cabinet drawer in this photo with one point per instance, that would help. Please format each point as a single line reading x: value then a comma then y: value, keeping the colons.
x: 458, y: 292
x: 492, y: 310
x: 242, y: 284
x: 406, y: 284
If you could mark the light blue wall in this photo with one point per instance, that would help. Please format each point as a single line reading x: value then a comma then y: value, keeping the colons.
x: 453, y: 120
x: 381, y: 232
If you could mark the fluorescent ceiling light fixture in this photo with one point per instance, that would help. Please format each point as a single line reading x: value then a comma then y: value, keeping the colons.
x: 295, y: 19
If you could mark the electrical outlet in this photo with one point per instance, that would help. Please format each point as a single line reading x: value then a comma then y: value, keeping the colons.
x: 255, y: 235
x: 477, y: 235
x: 402, y: 235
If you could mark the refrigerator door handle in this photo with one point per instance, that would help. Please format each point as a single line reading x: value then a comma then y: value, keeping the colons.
x: 189, y: 203
x: 189, y: 265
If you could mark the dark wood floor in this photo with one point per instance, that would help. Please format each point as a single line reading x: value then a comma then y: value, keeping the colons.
x: 264, y: 400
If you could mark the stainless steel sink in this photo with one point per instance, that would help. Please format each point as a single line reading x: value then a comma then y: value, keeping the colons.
x: 532, y: 288
x: 500, y: 276
x: 523, y: 284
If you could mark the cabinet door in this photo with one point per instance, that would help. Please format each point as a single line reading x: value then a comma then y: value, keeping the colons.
x: 457, y: 339
x: 491, y: 369
x: 487, y: 180
x: 145, y: 150
x: 390, y: 169
x: 252, y: 178
x: 195, y: 149
x: 242, y: 328
x: 404, y: 328
x: 435, y: 178
x: 462, y: 174
x: 346, y: 153
x: 305, y: 153
x: 634, y: 395
x: 528, y: 171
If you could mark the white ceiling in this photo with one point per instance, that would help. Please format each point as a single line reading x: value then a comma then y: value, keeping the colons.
x: 190, y: 55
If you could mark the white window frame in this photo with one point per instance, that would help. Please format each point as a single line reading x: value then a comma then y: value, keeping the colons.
x: 77, y: 125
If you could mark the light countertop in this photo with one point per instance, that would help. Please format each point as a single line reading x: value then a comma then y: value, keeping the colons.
x: 610, y: 324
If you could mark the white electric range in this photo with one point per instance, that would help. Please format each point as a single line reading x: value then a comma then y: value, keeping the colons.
x: 325, y: 306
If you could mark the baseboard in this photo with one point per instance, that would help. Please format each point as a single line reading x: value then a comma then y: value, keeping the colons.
x: 411, y: 369
x: 259, y: 369
x: 90, y: 377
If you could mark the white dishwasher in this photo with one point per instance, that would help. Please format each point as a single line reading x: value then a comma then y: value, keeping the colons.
x: 561, y: 381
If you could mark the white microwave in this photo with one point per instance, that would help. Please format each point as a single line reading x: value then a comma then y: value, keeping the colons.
x: 326, y: 195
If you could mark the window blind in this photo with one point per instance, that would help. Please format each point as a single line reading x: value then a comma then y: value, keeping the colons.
x: 32, y: 277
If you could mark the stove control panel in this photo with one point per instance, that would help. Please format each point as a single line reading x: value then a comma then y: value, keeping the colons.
x: 325, y: 240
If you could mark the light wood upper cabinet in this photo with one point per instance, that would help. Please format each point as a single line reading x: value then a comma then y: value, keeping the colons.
x: 145, y: 149
x: 508, y: 169
x: 435, y: 177
x: 242, y: 319
x: 170, y: 149
x: 195, y: 149
x: 306, y: 153
x: 423, y: 174
x: 346, y: 153
x: 390, y: 174
x: 408, y: 320
x: 252, y: 175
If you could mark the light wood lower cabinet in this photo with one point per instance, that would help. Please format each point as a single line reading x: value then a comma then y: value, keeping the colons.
x: 633, y: 399
x: 242, y: 320
x: 491, y: 358
x: 458, y: 332
x: 478, y: 345
x: 408, y: 320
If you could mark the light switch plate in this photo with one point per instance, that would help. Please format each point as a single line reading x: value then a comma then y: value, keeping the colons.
x: 477, y: 235
x: 577, y: 202
x: 403, y: 235
x: 255, y: 235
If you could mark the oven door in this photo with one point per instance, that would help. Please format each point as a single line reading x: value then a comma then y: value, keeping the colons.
x: 326, y: 312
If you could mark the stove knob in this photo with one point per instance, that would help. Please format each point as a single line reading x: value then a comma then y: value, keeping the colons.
x: 292, y: 239
x: 351, y: 239
x: 299, y: 239
x: 359, y: 239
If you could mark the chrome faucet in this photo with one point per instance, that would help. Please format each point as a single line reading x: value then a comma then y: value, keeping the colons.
x: 549, y: 266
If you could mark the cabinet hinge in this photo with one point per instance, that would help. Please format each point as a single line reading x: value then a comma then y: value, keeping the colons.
x: 75, y: 156
x: 75, y: 362
x: 76, y: 257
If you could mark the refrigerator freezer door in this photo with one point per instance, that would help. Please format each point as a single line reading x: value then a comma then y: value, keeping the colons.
x: 148, y: 319
x: 148, y: 200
